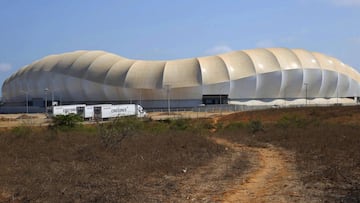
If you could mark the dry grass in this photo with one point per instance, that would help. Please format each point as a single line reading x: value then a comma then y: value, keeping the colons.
x: 38, y: 164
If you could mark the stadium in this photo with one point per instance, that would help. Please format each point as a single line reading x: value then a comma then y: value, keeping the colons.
x: 272, y: 76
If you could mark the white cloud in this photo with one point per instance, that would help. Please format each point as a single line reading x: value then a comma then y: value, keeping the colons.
x: 5, y: 67
x: 265, y: 43
x: 346, y: 2
x: 218, y: 49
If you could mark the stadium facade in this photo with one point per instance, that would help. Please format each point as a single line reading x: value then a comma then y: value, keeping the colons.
x: 249, y: 77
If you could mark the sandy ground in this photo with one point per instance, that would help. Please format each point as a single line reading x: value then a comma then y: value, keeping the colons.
x: 12, y: 120
x: 185, y: 114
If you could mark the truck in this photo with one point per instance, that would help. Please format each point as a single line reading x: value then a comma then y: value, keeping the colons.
x: 65, y: 109
x: 112, y: 111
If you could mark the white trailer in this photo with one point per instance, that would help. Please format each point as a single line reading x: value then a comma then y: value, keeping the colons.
x: 113, y: 111
x: 65, y: 109
x: 86, y: 112
x: 102, y: 111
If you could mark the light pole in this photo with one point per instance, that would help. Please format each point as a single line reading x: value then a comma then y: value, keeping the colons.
x: 27, y: 102
x: 52, y: 97
x: 46, y: 90
x: 168, y: 97
x: 60, y: 98
x: 285, y: 95
x: 140, y: 96
x: 306, y: 93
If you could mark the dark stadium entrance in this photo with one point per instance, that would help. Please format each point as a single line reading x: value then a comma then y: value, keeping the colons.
x: 215, y: 99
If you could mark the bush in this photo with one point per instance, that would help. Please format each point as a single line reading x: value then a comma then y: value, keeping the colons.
x: 207, y: 125
x: 66, y: 121
x: 113, y: 133
x: 235, y: 126
x: 156, y: 127
x: 292, y: 121
x: 21, y: 131
x: 180, y: 124
x: 201, y: 127
x: 255, y: 126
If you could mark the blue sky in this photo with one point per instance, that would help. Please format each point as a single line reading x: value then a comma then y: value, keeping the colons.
x: 163, y: 29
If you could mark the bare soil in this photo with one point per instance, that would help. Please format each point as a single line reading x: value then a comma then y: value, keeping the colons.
x: 272, y: 177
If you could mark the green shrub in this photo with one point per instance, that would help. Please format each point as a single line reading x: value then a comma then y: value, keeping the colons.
x: 255, y: 126
x: 156, y: 127
x: 208, y: 125
x: 200, y: 126
x: 292, y: 121
x: 180, y: 124
x: 66, y: 121
x: 21, y: 131
x: 235, y: 126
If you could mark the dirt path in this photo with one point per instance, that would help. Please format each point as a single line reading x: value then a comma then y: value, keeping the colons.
x: 207, y: 183
x: 269, y: 177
